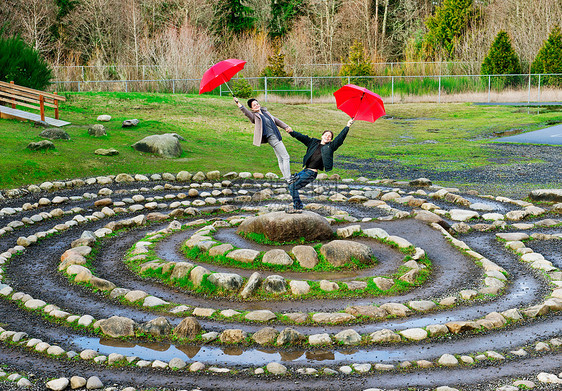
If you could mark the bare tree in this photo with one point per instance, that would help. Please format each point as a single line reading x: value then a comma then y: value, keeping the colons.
x: 35, y: 18
x: 324, y: 22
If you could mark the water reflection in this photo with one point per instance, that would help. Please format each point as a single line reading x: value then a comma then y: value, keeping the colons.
x: 230, y: 355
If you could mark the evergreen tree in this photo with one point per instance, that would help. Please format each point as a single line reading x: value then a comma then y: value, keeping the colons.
x: 357, y: 63
x: 283, y: 15
x: 22, y: 64
x: 502, y: 59
x: 549, y: 58
x: 447, y: 26
x: 232, y: 17
x: 276, y: 68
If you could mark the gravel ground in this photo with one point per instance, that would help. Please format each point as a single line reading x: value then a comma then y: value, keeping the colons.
x: 505, y: 175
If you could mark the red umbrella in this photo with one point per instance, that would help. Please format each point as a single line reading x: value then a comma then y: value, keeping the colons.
x: 220, y: 73
x: 359, y: 103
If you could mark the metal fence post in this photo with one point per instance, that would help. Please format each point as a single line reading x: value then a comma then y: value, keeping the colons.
x: 173, y: 86
x: 489, y: 87
x: 126, y: 86
x: 311, y: 89
x: 529, y: 93
x: 539, y: 93
x: 265, y: 87
x: 392, y: 78
x: 439, y: 99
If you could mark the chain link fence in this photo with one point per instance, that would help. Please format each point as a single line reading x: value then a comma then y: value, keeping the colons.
x: 529, y: 88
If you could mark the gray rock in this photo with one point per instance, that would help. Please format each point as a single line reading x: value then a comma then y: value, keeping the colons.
x: 289, y: 336
x: 340, y: 252
x: 54, y: 134
x: 348, y: 337
x: 117, y: 326
x: 226, y: 281
x: 197, y: 274
x: 265, y: 336
x: 104, y: 118
x: 94, y: 383
x: 283, y: 227
x: 165, y: 145
x: 233, y: 336
x: 546, y: 195
x: 421, y: 182
x: 97, y: 130
x: 177, y: 363
x: 385, y: 335
x: 128, y: 123
x: 157, y: 327
x: 252, y: 284
x: 106, y: 152
x: 41, y: 145
x: 383, y: 283
x: 306, y: 256
x: 188, y: 328
x: 367, y: 310
x: 57, y: 384
x: 274, y: 284
x: 276, y: 368
x: 277, y: 257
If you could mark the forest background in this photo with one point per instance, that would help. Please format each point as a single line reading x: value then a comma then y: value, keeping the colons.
x: 181, y: 38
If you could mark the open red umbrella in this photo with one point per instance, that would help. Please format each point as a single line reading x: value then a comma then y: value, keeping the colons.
x: 220, y: 73
x: 359, y: 103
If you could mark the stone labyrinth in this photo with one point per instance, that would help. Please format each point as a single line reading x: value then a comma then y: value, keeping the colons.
x: 204, y: 282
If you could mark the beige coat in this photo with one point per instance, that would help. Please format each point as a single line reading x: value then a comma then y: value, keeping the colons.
x: 256, y: 120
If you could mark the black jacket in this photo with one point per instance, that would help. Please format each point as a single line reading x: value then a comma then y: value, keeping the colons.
x: 328, y: 150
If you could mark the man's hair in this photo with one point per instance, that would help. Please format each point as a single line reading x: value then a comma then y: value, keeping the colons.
x: 250, y: 101
x: 328, y: 131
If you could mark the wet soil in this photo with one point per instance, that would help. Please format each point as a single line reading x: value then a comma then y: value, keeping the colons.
x: 35, y: 272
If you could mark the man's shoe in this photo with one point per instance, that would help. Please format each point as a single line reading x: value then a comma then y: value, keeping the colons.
x: 292, y: 210
x: 292, y: 179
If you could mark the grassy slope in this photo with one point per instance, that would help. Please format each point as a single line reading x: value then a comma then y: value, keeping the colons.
x: 219, y: 136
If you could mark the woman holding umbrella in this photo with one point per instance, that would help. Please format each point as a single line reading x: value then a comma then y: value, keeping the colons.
x: 266, y: 131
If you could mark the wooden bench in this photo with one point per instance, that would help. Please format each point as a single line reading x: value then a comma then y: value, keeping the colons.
x: 13, y: 95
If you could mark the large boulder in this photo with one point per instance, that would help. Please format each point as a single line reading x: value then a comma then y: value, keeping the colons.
x: 340, y: 252
x: 165, y: 145
x: 54, y: 134
x: 188, y: 328
x: 283, y: 227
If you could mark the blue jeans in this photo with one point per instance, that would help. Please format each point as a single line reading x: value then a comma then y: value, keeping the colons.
x: 303, y: 178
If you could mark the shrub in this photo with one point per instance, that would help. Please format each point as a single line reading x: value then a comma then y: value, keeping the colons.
x: 549, y: 58
x: 241, y: 88
x: 358, y: 63
x: 502, y: 60
x: 276, y: 68
x: 22, y: 64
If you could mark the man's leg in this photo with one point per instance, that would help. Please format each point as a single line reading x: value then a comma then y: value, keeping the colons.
x: 282, y: 156
x: 303, y: 178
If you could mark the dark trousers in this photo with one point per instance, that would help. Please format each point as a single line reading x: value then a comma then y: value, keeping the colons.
x: 303, y: 178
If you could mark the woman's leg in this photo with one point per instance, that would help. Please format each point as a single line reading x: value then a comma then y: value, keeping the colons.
x: 303, y: 178
x: 282, y: 156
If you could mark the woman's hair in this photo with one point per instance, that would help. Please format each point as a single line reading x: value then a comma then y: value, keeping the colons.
x: 250, y: 101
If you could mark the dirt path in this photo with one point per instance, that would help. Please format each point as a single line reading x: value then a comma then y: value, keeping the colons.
x: 35, y: 272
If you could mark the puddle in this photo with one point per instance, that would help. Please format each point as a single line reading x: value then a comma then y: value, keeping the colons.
x: 233, y: 355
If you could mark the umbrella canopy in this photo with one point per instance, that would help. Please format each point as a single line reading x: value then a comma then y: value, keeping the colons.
x: 359, y: 103
x: 220, y: 73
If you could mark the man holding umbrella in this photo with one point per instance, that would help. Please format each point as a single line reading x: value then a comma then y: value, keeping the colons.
x: 319, y: 156
x: 266, y: 131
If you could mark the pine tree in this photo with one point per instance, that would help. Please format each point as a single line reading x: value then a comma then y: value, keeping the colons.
x: 447, y: 26
x: 276, y: 68
x: 357, y: 63
x: 283, y: 16
x: 232, y: 17
x: 22, y: 64
x: 502, y: 59
x: 549, y: 58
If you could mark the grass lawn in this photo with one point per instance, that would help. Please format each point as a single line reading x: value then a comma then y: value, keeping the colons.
x: 219, y: 136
